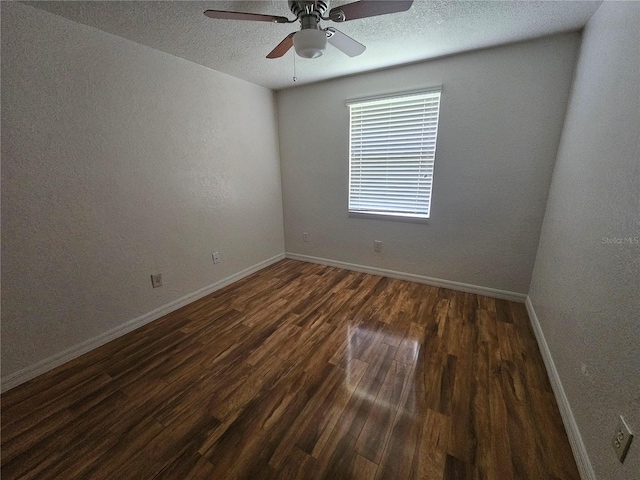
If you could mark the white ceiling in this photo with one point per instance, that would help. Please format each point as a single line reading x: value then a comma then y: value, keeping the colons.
x: 429, y: 29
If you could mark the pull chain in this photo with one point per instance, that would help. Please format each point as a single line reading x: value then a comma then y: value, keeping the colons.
x: 295, y: 79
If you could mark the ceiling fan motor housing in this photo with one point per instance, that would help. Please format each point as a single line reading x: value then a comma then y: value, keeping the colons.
x: 302, y: 7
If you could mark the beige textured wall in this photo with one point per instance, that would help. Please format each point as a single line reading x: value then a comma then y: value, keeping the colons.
x: 119, y: 161
x: 586, y: 283
x: 501, y: 116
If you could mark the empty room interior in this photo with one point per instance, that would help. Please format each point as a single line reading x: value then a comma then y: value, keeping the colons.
x: 311, y: 239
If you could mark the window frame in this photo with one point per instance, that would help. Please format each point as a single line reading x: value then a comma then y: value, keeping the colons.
x: 384, y: 215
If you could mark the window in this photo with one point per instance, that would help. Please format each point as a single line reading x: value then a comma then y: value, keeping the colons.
x: 392, y: 147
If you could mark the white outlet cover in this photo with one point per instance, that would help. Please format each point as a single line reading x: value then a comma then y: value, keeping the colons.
x: 156, y: 280
x: 622, y: 438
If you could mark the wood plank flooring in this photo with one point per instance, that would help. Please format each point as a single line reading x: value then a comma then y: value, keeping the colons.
x: 300, y: 371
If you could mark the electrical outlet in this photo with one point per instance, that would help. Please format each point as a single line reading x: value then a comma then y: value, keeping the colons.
x: 585, y: 370
x: 216, y: 258
x: 156, y: 280
x: 622, y: 439
x: 377, y: 246
x: 305, y: 236
x: 586, y: 373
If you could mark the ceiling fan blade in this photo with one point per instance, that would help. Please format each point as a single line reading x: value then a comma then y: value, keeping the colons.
x: 344, y: 42
x: 368, y: 8
x: 283, y: 47
x: 221, y: 14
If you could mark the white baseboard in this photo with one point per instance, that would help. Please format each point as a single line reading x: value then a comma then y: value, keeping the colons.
x: 436, y: 282
x: 573, y: 432
x: 32, y: 371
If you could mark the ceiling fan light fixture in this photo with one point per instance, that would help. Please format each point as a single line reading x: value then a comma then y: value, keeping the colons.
x: 310, y: 42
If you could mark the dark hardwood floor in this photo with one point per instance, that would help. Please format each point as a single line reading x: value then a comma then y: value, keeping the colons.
x: 300, y: 371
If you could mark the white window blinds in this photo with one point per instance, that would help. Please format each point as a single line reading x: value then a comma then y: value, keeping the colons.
x: 392, y: 147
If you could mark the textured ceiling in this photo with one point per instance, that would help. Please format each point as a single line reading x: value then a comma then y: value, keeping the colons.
x: 429, y: 29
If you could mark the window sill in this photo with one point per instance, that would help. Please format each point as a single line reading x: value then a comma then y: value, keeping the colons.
x: 393, y: 218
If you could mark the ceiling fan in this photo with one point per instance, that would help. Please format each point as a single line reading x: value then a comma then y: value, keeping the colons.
x: 311, y: 40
